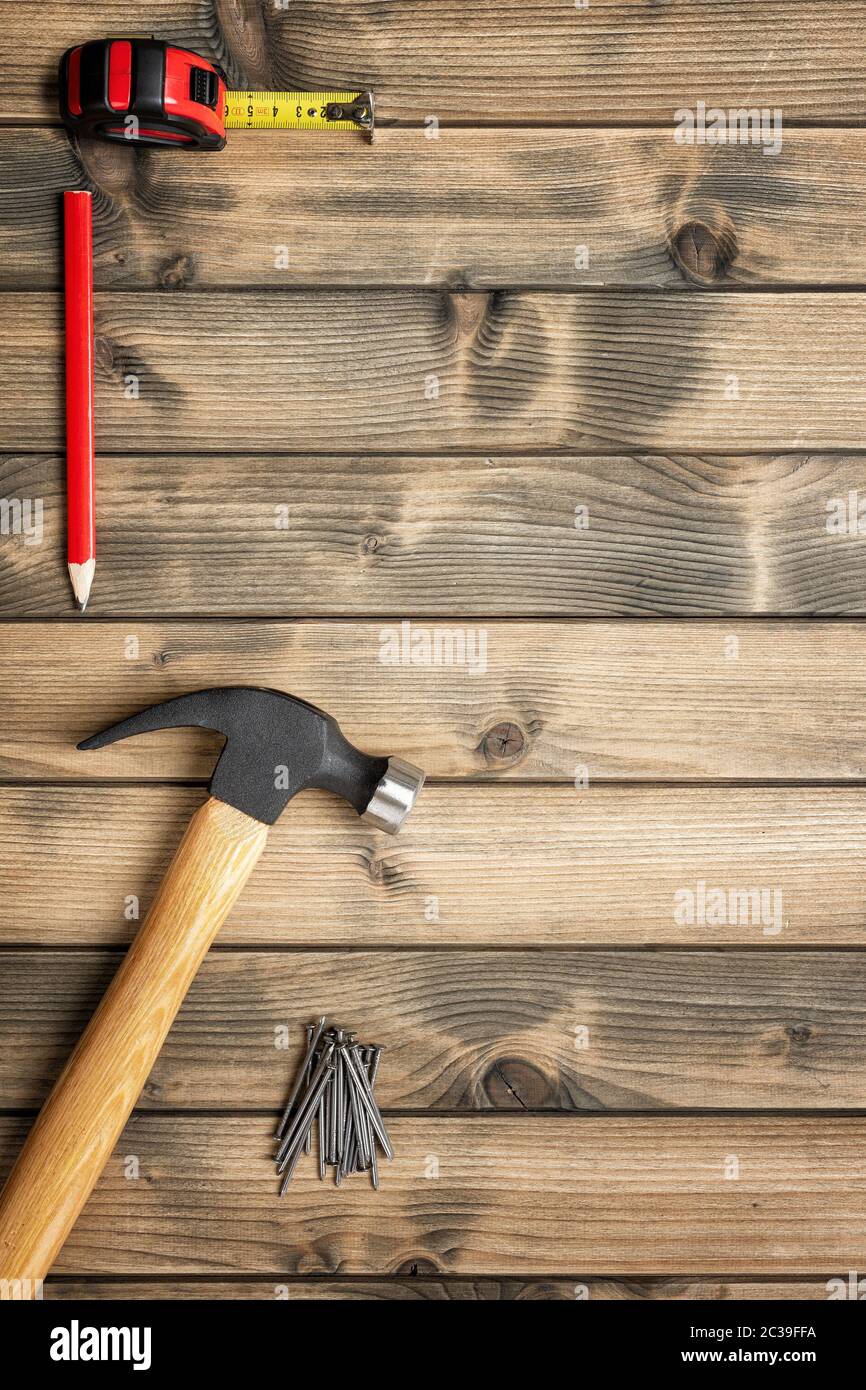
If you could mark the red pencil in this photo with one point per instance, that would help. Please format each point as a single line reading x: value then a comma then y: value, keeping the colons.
x: 80, y: 517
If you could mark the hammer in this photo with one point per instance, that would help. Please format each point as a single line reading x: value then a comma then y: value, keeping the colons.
x: 276, y: 746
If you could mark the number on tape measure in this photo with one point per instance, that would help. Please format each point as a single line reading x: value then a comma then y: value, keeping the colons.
x: 298, y: 110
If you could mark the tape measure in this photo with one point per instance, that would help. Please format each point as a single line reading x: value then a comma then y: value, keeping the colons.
x: 154, y: 93
x: 298, y: 110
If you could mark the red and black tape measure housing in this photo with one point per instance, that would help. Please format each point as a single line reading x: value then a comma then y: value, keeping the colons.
x: 175, y: 97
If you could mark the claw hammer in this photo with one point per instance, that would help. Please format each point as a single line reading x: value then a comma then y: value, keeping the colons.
x: 276, y: 746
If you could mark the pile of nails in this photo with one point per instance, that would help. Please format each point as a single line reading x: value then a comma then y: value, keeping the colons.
x: 334, y: 1089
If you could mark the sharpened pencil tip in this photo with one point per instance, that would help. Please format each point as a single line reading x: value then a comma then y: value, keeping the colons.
x: 81, y: 579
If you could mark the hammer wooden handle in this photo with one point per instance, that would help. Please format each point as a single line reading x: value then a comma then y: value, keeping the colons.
x: 82, y: 1118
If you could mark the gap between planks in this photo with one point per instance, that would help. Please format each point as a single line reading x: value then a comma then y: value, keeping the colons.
x: 444, y: 1287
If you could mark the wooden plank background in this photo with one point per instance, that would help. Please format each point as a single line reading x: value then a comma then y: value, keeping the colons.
x: 472, y: 209
x: 549, y: 700
x: 497, y: 536
x: 598, y: 868
x: 509, y: 370
x: 470, y: 1030
x: 527, y: 370
x: 625, y: 1193
x: 550, y: 62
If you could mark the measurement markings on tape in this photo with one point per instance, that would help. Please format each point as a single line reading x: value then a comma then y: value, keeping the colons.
x: 298, y: 110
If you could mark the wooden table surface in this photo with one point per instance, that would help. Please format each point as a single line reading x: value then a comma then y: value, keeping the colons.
x: 527, y: 371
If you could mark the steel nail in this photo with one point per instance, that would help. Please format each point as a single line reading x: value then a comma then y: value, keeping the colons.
x: 344, y: 1159
x: 351, y: 1138
x: 348, y: 1118
x: 363, y: 1129
x: 360, y: 1053
x: 321, y: 1138
x: 311, y: 1047
x: 371, y: 1057
x: 372, y: 1112
x: 295, y: 1140
x: 308, y: 1071
x: 368, y: 1122
x: 332, y: 1118
x: 376, y: 1049
x: 296, y: 1151
x: 366, y: 1096
x: 340, y: 1082
x: 362, y: 1132
x: 326, y: 1101
x: 308, y: 1102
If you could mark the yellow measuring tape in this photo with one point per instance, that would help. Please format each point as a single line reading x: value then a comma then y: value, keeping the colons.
x: 299, y: 111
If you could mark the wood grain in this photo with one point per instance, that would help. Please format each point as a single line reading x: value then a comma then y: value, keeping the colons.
x: 415, y: 321
x: 477, y: 209
x: 413, y: 1289
x: 91, y: 1101
x: 532, y: 700
x: 530, y: 1195
x: 471, y: 1030
x: 473, y: 866
x: 234, y: 371
x: 193, y: 535
x: 614, y: 61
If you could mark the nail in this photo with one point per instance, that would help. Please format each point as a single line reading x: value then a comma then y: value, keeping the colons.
x: 372, y: 1111
x: 363, y: 1129
x: 347, y: 1103
x: 311, y: 1047
x: 376, y: 1049
x: 332, y: 1119
x: 303, y: 1120
x: 359, y: 1116
x: 307, y: 1074
x: 294, y: 1143
x: 348, y: 1134
x: 327, y: 1100
x: 321, y: 1138
x: 370, y: 1142
x: 298, y: 1150
x: 366, y: 1096
x: 308, y: 1102
x: 371, y: 1057
x: 340, y: 1082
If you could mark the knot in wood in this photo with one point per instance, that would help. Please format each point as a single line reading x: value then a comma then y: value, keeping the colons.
x: 504, y: 742
x: 799, y: 1033
x: 701, y: 253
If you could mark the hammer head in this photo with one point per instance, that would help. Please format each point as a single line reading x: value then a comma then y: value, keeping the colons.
x: 276, y: 746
